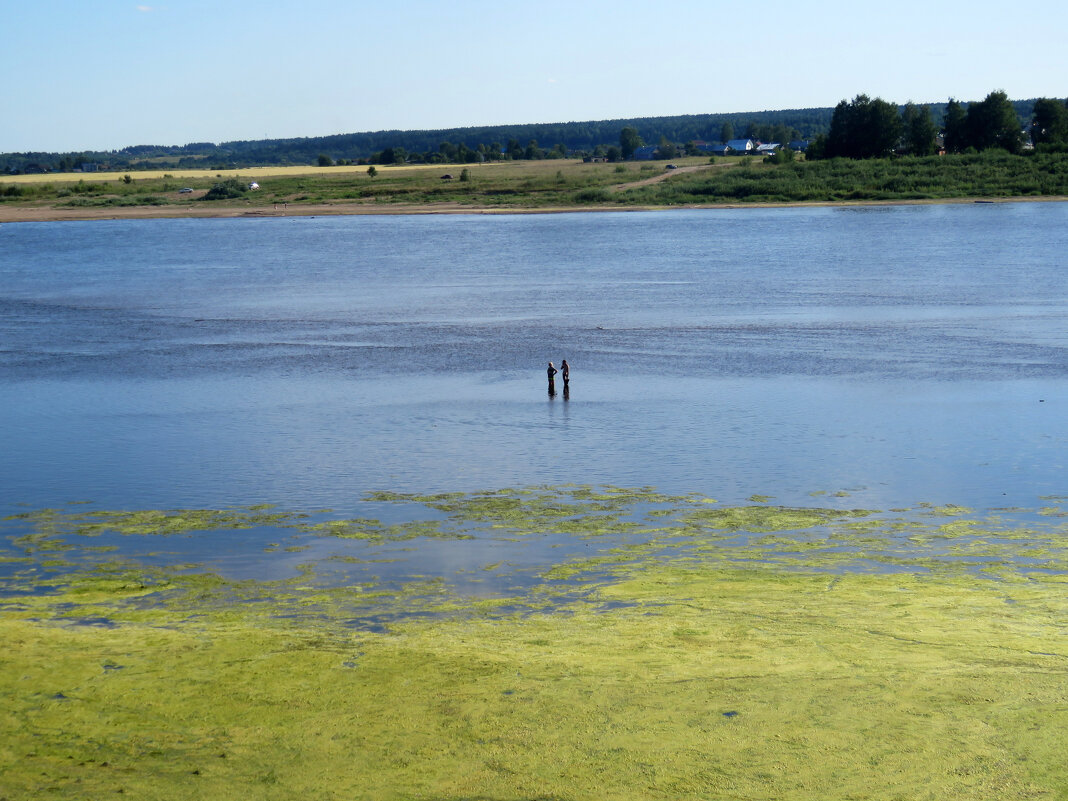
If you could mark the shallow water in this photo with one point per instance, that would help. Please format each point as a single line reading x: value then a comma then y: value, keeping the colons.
x: 915, y: 352
x: 149, y: 365
x: 900, y: 354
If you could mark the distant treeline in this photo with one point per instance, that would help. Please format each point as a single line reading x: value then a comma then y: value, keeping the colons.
x: 468, y: 145
x: 867, y: 128
x: 455, y: 145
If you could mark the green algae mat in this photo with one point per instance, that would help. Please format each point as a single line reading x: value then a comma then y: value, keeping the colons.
x: 677, y: 648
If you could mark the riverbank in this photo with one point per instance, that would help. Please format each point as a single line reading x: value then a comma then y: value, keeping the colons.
x: 536, y: 187
x: 222, y: 210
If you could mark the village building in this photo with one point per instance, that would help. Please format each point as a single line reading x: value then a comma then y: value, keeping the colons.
x: 744, y: 146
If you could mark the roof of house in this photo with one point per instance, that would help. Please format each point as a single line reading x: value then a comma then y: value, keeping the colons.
x: 740, y: 144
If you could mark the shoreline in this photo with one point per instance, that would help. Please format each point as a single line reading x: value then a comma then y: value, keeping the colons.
x: 12, y: 213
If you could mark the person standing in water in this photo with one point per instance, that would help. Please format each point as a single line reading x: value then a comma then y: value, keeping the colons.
x: 565, y: 371
x: 552, y: 379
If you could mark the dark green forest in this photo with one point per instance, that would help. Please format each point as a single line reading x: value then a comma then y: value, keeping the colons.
x: 867, y: 128
x: 465, y: 145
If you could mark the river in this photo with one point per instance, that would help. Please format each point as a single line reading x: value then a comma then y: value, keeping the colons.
x: 895, y: 355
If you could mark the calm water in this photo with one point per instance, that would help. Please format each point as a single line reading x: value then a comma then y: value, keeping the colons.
x: 905, y: 354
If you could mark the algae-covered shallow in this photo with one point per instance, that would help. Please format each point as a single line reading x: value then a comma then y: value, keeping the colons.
x: 686, y: 649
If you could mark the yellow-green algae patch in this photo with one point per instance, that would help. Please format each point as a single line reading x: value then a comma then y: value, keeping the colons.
x: 50, y: 522
x: 374, y: 531
x: 708, y: 684
x: 718, y: 658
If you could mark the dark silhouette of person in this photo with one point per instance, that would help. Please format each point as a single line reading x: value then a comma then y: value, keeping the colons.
x: 551, y: 372
x: 565, y: 371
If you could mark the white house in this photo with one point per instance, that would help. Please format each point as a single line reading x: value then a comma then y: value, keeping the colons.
x: 741, y: 145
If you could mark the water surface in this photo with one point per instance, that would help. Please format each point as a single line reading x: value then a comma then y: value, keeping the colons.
x: 901, y: 354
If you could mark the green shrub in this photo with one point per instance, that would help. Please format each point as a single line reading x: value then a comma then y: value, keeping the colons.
x: 82, y: 188
x: 593, y: 195
x: 225, y: 190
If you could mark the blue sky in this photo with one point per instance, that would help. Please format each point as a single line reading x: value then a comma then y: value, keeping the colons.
x: 104, y: 74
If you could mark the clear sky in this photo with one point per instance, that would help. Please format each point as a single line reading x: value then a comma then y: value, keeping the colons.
x: 105, y: 74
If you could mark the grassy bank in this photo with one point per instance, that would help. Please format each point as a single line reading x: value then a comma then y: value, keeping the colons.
x: 548, y: 185
x: 520, y: 185
x: 991, y: 174
x: 751, y: 652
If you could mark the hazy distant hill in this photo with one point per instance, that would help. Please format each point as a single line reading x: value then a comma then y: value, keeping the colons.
x: 571, y: 137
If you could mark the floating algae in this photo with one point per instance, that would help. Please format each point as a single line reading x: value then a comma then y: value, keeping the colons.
x: 374, y: 531
x: 867, y: 686
x: 698, y: 659
x: 52, y: 522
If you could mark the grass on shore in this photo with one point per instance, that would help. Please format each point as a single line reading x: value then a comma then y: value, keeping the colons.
x: 509, y: 184
x: 569, y: 184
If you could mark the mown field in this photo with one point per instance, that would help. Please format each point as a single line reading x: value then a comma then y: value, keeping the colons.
x: 509, y: 184
x: 554, y: 184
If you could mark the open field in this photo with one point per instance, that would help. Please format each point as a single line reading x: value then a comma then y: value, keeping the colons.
x: 510, y: 186
x: 515, y: 186
x: 205, y: 175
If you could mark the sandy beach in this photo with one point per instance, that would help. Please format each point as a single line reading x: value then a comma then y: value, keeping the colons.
x: 13, y: 213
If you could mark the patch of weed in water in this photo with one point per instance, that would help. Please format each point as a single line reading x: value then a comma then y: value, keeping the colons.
x: 756, y: 652
x: 667, y: 681
x: 764, y: 518
x: 374, y: 531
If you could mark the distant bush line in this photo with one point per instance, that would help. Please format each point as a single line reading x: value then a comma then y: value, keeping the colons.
x: 990, y: 174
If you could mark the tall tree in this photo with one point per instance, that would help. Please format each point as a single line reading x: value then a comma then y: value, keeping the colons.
x: 955, y: 127
x: 993, y: 123
x: 629, y: 141
x: 839, y: 135
x: 667, y: 149
x: 817, y: 148
x: 448, y: 151
x: 920, y: 131
x: 864, y: 128
x: 1049, y: 122
x: 726, y: 133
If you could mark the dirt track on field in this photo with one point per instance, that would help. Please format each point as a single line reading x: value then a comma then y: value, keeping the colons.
x: 658, y: 178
